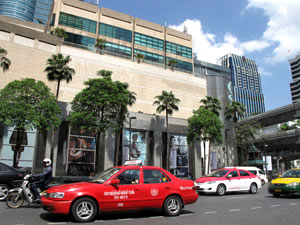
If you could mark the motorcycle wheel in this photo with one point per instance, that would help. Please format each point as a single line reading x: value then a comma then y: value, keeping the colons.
x: 14, y: 199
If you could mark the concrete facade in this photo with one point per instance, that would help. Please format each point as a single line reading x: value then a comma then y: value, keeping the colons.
x: 28, y: 49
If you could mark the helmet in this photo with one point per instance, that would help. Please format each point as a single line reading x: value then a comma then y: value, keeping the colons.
x: 47, y: 161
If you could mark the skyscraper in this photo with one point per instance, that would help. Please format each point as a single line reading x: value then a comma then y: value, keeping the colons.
x: 36, y: 11
x: 95, y: 2
x: 19, y: 9
x: 295, y: 84
x: 246, y: 83
x: 42, y: 11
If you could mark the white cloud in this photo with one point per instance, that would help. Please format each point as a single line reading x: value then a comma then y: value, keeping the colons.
x: 282, y: 28
x: 282, y: 33
x: 264, y: 72
x: 208, y: 49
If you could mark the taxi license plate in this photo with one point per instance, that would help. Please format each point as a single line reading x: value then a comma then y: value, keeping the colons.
x: 277, y: 190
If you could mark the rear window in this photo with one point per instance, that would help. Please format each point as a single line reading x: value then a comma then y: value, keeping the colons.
x: 244, y: 173
x: 253, y: 172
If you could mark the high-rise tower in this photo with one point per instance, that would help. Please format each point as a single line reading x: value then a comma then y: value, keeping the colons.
x: 246, y: 83
x: 295, y: 84
x: 36, y: 11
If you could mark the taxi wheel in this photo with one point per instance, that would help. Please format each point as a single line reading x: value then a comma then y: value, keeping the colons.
x: 253, y: 188
x: 221, y: 189
x: 276, y: 195
x: 172, y: 206
x: 84, y: 210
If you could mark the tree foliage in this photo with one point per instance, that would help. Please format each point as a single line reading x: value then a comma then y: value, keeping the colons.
x: 101, y: 105
x: 245, y: 135
x: 60, y: 32
x: 204, y: 126
x: 4, y: 62
x: 212, y: 104
x: 58, y: 70
x: 100, y: 45
x: 167, y: 102
x: 233, y: 112
x: 28, y: 104
x: 172, y: 63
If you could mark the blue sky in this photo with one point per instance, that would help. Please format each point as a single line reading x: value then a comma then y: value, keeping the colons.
x: 267, y: 31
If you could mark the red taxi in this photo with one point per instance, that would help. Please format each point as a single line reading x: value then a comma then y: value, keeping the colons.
x: 121, y: 188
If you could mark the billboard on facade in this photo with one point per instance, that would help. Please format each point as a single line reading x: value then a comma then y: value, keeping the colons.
x: 81, y: 153
x: 134, y: 146
x: 179, y: 158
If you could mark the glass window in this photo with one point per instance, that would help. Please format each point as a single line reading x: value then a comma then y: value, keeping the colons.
x: 148, y: 56
x: 115, y: 32
x: 244, y: 173
x: 25, y: 154
x: 81, y: 40
x: 118, y: 49
x: 77, y: 22
x: 81, y: 153
x: 148, y: 41
x: 154, y: 176
x: 182, y: 65
x: 178, y: 49
x: 234, y: 173
x: 253, y: 172
x: 218, y: 173
x: 129, y: 177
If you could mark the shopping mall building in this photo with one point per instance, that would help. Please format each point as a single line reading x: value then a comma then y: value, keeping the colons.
x: 29, y: 46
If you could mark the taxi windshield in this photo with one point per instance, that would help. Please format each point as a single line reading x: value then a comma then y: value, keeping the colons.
x: 218, y: 173
x: 292, y: 173
x: 105, y: 175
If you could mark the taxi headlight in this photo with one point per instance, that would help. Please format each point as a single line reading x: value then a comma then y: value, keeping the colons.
x: 211, y: 182
x: 293, y: 184
x: 56, y: 195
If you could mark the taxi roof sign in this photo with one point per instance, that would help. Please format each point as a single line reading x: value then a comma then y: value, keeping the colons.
x: 133, y: 163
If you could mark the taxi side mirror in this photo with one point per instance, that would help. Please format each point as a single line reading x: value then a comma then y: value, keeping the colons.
x: 279, y: 175
x: 115, y: 181
x: 229, y: 176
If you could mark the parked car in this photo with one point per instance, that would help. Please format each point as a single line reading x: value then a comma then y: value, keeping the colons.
x: 8, y: 175
x: 256, y: 171
x: 227, y: 180
x: 287, y: 183
x: 121, y: 188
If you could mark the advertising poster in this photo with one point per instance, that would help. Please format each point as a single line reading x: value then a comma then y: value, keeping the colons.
x: 134, y: 149
x: 179, y: 159
x: 25, y: 153
x: 81, y: 153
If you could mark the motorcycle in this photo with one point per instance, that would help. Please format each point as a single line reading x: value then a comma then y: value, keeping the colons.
x: 17, y: 196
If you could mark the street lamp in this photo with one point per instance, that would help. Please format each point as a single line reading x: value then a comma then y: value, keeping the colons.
x: 130, y: 118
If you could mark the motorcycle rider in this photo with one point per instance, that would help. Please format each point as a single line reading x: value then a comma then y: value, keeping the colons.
x: 45, y: 179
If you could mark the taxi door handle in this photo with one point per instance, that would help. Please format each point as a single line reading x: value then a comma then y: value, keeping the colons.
x: 136, y: 189
x: 167, y: 187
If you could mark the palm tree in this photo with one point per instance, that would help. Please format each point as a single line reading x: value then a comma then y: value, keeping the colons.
x: 212, y: 104
x: 58, y: 70
x: 234, y: 111
x: 100, y: 44
x: 104, y: 73
x: 167, y: 102
x: 172, y: 63
x: 60, y: 32
x: 4, y: 62
x: 139, y: 57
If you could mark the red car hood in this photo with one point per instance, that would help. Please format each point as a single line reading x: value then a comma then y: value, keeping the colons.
x: 206, y: 179
x: 73, y: 187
